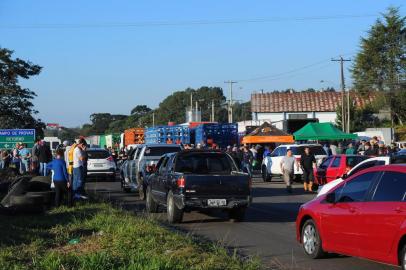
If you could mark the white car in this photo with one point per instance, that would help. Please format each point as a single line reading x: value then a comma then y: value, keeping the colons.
x: 100, y: 164
x: 271, y: 165
x: 368, y: 163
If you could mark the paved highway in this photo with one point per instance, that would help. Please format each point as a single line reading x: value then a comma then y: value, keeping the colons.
x: 268, y: 231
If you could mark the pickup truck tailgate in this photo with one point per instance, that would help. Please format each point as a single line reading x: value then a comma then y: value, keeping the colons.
x: 217, y: 185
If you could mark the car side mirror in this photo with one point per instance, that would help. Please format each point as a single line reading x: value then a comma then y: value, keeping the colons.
x: 331, y: 197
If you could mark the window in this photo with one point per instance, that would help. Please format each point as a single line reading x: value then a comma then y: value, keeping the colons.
x: 98, y: 154
x: 137, y: 154
x: 316, y: 150
x: 356, y: 189
x: 162, y: 168
x: 324, y: 165
x: 282, y: 151
x: 159, y: 151
x: 204, y: 163
x: 364, y: 166
x: 336, y: 162
x: 391, y: 188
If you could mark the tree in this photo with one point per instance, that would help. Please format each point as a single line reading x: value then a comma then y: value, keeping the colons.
x: 380, y: 64
x: 360, y: 118
x: 16, y: 108
x: 242, y: 111
x: 173, y: 108
x: 140, y: 110
x: 101, y: 123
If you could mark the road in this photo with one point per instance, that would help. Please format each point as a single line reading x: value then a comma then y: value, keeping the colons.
x: 268, y: 231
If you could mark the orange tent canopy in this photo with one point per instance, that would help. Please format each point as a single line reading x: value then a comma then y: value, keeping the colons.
x: 268, y: 139
x: 266, y: 133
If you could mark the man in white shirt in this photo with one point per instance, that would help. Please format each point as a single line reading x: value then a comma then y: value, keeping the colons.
x: 78, y: 171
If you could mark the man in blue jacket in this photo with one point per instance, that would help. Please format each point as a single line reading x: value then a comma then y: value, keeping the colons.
x: 60, y: 177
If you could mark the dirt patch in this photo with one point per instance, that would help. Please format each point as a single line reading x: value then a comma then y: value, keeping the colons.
x: 86, y: 245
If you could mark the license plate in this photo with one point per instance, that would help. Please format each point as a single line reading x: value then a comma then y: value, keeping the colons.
x: 98, y: 165
x: 216, y: 202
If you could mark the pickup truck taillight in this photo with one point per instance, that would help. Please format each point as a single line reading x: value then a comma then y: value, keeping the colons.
x: 110, y: 158
x: 181, y: 182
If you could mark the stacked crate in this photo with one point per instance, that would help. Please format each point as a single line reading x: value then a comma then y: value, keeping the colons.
x: 220, y: 134
x: 134, y: 136
x: 168, y: 135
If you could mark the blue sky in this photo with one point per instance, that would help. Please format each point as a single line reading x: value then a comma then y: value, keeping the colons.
x: 90, y: 66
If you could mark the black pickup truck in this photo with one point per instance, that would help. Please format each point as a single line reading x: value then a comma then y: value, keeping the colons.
x: 198, y: 179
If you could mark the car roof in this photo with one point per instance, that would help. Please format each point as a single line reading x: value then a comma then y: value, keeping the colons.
x: 391, y: 168
x: 304, y: 144
x: 161, y: 145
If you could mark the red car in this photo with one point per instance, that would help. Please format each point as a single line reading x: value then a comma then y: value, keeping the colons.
x: 365, y: 216
x: 335, y: 167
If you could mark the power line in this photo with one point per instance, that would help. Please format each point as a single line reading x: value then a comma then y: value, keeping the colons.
x: 183, y: 23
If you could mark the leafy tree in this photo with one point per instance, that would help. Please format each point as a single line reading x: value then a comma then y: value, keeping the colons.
x: 242, y: 111
x: 173, y: 108
x: 360, y: 118
x: 101, y: 123
x: 140, y: 110
x: 16, y: 108
x: 381, y: 63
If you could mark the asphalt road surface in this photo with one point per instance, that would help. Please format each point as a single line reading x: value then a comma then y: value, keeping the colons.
x: 268, y: 231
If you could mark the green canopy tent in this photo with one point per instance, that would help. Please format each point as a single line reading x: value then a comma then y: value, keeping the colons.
x: 321, y: 131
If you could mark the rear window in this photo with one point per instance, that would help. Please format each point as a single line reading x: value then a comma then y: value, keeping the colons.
x: 159, y: 151
x: 315, y: 150
x: 204, y: 163
x: 98, y: 154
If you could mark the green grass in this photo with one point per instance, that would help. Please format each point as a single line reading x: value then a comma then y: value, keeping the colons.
x: 109, y: 239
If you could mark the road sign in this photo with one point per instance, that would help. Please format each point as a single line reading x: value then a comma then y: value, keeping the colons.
x: 9, y: 137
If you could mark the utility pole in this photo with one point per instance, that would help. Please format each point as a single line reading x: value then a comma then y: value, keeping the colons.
x: 153, y: 119
x: 345, y: 120
x: 230, y: 101
x: 212, y: 111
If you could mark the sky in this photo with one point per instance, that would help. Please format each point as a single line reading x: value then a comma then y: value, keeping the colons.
x: 109, y: 56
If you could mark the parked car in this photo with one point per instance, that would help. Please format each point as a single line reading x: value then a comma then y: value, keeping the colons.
x: 364, y: 216
x: 335, y: 167
x: 368, y: 163
x: 146, y: 157
x: 198, y: 179
x: 100, y: 163
x: 271, y: 163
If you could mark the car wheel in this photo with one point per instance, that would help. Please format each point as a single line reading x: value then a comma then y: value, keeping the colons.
x: 150, y: 204
x: 402, y: 258
x: 311, y: 240
x: 237, y: 214
x: 142, y: 189
x: 265, y: 175
x: 175, y: 215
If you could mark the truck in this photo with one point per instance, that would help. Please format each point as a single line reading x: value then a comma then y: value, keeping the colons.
x: 198, y: 179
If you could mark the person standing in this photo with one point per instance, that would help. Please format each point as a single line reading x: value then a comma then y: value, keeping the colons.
x: 308, y: 163
x: 369, y: 151
x: 25, y: 156
x: 350, y: 150
x: 60, y: 177
x: 34, y: 157
x: 78, y: 171
x: 246, y: 162
x: 16, y: 158
x: 44, y: 156
x: 287, y: 167
x: 5, y: 158
x: 333, y: 149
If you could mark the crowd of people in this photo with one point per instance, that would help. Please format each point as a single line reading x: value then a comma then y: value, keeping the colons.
x: 66, y: 167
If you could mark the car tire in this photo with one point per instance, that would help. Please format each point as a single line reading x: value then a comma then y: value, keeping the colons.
x: 26, y: 200
x: 142, y: 189
x: 265, y: 175
x: 47, y: 196
x: 150, y: 204
x: 402, y: 257
x: 174, y: 214
x: 237, y: 214
x: 311, y: 240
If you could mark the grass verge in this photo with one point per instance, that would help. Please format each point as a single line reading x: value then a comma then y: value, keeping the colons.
x: 108, y: 239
